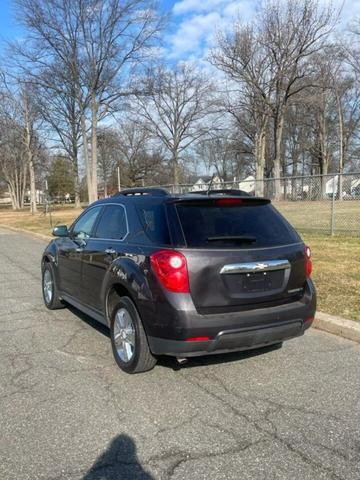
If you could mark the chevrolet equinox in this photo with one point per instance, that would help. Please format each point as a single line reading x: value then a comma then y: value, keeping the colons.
x: 182, y: 275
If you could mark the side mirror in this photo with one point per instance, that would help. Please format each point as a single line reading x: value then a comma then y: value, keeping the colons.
x: 60, y: 231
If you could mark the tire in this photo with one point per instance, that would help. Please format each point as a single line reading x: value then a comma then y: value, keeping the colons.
x: 49, y: 290
x: 128, y: 339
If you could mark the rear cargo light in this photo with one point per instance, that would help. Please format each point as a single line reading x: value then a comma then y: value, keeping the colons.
x: 228, y: 201
x: 198, y: 339
x: 308, y: 263
x: 171, y: 270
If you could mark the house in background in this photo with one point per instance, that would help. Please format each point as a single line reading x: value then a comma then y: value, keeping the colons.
x: 201, y: 184
x: 248, y: 184
x: 5, y: 198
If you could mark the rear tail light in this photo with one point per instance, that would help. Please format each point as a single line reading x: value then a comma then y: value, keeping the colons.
x: 308, y: 262
x: 198, y: 339
x: 171, y: 269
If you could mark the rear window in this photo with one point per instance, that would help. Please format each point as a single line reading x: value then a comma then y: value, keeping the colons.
x: 243, y: 226
x: 154, y: 223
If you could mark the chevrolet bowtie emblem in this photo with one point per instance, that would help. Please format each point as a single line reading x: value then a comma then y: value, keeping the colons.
x: 260, y: 266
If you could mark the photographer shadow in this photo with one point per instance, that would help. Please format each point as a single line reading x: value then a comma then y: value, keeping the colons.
x: 118, y: 462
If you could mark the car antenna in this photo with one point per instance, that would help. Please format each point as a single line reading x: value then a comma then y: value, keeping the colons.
x: 210, y: 185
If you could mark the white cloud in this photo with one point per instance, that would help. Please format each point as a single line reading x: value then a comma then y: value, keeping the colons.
x: 187, y: 6
x: 196, y: 31
x: 196, y: 22
x: 192, y: 33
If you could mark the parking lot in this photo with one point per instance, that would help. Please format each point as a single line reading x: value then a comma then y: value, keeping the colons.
x: 68, y: 412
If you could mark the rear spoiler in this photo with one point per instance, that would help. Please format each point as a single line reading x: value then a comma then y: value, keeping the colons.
x: 223, y: 201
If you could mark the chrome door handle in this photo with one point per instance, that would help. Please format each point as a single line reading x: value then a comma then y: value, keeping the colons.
x: 110, y: 251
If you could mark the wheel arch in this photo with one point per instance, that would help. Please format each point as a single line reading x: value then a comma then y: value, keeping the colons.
x: 113, y: 295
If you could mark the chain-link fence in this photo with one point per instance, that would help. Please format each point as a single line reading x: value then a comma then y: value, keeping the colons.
x: 327, y: 204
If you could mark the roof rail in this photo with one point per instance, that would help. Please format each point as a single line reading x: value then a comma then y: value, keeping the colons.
x: 143, y: 191
x: 237, y: 193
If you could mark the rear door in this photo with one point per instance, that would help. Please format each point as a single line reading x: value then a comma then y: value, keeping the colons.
x: 240, y: 253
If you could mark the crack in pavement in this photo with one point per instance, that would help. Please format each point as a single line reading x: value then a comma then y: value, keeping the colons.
x: 267, y: 433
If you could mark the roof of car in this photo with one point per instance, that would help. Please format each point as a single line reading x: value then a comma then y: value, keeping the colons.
x: 160, y: 194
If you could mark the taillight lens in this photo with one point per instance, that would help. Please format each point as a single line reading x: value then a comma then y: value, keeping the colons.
x: 171, y: 270
x: 198, y: 339
x: 308, y: 262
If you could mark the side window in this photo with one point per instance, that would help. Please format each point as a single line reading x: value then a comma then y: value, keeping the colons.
x: 153, y: 220
x: 112, y: 223
x: 83, y: 227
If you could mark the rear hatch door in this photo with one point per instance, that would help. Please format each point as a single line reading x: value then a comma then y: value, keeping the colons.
x: 240, y: 252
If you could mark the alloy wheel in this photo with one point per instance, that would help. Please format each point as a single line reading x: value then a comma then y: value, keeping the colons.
x: 48, y: 286
x: 124, y: 335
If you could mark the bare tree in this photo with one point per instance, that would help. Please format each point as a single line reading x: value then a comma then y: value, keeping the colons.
x: 13, y: 166
x: 282, y: 38
x: 223, y: 151
x: 173, y: 107
x: 108, y: 144
x: 140, y: 160
x: 115, y: 37
x: 97, y: 42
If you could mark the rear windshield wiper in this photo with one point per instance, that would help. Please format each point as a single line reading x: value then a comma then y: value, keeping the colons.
x: 233, y: 238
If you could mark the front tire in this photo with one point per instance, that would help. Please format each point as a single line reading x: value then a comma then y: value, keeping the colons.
x: 128, y: 339
x: 50, y: 292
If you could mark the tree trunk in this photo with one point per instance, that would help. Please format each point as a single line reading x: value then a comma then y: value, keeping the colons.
x: 14, y: 203
x: 260, y: 149
x: 341, y: 147
x: 23, y: 187
x: 30, y: 157
x: 74, y: 159
x: 324, y: 160
x: 94, y: 120
x: 86, y: 157
x: 175, y: 163
x: 33, y: 207
x: 278, y: 136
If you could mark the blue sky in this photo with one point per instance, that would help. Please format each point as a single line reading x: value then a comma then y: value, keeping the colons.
x: 192, y: 25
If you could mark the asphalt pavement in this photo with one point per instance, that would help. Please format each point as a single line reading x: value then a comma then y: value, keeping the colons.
x: 67, y: 412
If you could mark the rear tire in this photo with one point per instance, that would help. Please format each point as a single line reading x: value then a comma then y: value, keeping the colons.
x: 128, y: 339
x: 50, y: 292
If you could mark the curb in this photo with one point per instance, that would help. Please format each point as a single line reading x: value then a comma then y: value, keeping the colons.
x: 40, y: 236
x: 338, y: 326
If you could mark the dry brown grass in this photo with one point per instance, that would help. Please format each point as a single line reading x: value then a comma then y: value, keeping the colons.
x: 336, y: 259
x: 39, y: 222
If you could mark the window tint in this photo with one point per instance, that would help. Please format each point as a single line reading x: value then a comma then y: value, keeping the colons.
x: 112, y: 223
x: 258, y: 225
x: 83, y: 227
x: 154, y: 223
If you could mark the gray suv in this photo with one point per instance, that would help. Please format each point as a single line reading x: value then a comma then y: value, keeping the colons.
x: 182, y: 275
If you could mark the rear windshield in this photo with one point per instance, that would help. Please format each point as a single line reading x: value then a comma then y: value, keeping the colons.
x: 243, y: 226
x: 154, y: 223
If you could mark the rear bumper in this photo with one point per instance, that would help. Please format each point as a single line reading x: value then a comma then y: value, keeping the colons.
x: 238, y: 330
x: 228, y: 340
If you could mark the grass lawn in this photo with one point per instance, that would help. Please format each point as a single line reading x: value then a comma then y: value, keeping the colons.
x: 39, y: 222
x: 336, y: 273
x: 336, y: 260
x: 315, y: 216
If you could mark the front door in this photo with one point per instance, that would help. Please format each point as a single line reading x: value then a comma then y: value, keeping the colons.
x: 71, y: 252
